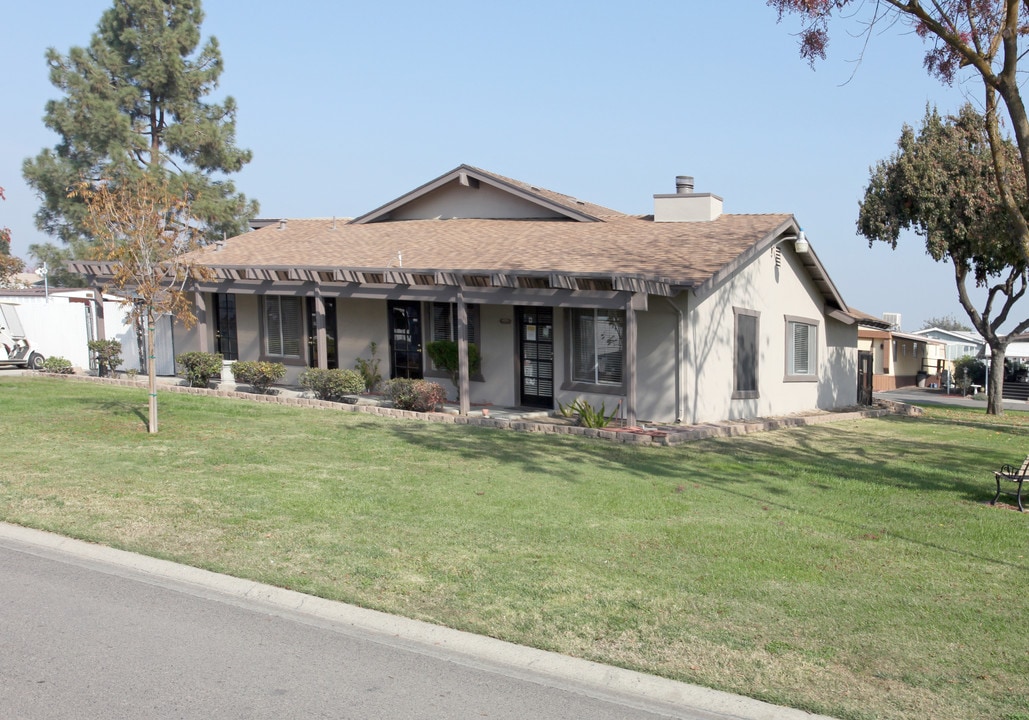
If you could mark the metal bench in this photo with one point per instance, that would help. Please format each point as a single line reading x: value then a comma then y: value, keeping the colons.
x: 1014, y: 475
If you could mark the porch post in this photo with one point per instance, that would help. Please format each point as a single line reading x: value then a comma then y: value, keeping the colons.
x: 462, y: 355
x: 321, y: 338
x: 98, y: 300
x: 630, y: 361
x: 201, y: 305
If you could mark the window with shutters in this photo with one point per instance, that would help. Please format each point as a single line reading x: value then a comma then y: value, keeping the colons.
x: 283, y: 327
x: 745, y: 354
x: 598, y: 348
x: 443, y: 326
x: 801, y: 349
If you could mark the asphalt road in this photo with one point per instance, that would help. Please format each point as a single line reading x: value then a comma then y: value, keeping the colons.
x: 91, y: 632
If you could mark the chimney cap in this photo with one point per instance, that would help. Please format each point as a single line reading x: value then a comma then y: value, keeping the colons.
x: 683, y: 184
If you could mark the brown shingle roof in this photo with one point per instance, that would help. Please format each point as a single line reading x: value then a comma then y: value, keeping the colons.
x: 678, y: 253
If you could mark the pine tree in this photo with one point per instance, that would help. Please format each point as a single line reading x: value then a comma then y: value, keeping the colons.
x: 134, y: 101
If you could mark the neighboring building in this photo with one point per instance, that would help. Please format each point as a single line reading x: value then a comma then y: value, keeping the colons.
x: 901, y: 359
x: 686, y: 315
x: 959, y: 344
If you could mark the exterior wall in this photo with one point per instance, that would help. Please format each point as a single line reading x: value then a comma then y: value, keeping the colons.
x: 58, y: 327
x: 485, y: 201
x: 775, y: 293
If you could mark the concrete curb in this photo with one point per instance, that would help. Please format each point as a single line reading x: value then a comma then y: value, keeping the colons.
x: 583, y: 676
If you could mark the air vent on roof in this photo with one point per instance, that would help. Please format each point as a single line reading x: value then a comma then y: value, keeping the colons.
x: 893, y: 319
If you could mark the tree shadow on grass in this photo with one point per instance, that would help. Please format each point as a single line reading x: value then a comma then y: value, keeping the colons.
x: 752, y: 468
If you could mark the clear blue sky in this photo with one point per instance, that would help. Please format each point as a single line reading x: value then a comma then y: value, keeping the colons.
x: 348, y: 105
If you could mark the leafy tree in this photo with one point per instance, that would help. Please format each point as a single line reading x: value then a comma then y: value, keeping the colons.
x: 948, y: 322
x: 984, y: 36
x: 940, y: 184
x: 146, y: 231
x: 57, y: 259
x: 9, y: 265
x: 134, y: 101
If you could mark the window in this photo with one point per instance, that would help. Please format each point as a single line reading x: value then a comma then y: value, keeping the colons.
x: 283, y: 327
x: 745, y: 354
x: 801, y: 349
x: 443, y: 325
x: 444, y: 322
x: 597, y: 346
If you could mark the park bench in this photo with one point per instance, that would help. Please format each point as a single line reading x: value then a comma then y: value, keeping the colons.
x: 1013, y: 475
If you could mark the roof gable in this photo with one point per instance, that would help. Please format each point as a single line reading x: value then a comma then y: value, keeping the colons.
x: 470, y: 193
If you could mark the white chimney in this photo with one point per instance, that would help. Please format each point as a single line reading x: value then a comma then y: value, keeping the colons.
x: 686, y: 205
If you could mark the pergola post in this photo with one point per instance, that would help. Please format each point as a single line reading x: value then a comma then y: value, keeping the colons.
x: 201, y: 306
x: 321, y: 337
x: 462, y: 355
x: 630, y: 361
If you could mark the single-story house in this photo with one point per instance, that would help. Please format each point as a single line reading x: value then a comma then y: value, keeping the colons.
x: 688, y: 314
x: 901, y: 359
x: 959, y: 344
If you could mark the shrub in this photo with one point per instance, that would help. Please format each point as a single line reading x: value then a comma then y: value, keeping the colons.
x: 335, y: 384
x: 417, y: 395
x: 444, y: 356
x: 259, y: 375
x: 369, y: 369
x: 974, y: 368
x: 107, y: 354
x: 58, y: 365
x: 588, y: 416
x: 200, y: 367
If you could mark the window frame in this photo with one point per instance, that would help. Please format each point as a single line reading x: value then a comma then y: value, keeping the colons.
x: 267, y: 303
x: 790, y: 369
x: 572, y: 336
x: 474, y: 335
x: 738, y: 392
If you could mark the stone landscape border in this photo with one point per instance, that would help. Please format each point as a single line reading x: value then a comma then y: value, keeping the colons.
x: 659, y: 435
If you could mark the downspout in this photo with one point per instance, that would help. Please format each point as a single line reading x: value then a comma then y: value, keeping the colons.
x: 680, y: 332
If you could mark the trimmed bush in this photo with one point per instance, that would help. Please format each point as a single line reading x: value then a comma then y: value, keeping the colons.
x: 199, y: 367
x: 335, y: 384
x: 417, y: 395
x: 444, y: 356
x: 258, y: 374
x: 58, y: 365
x: 107, y: 354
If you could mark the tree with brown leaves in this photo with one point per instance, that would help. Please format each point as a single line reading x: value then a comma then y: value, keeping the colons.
x: 146, y: 232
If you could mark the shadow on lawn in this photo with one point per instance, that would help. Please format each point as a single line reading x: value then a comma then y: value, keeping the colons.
x: 756, y: 468
x: 114, y: 407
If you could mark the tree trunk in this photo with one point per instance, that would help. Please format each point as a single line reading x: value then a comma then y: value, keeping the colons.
x: 152, y: 372
x: 995, y: 393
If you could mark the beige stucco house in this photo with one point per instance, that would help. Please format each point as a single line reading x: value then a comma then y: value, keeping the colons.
x: 687, y: 315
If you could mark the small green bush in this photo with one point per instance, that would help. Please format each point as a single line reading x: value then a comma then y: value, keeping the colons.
x: 444, y: 356
x: 335, y: 384
x: 588, y: 416
x: 58, y: 365
x: 107, y: 354
x: 417, y: 395
x: 199, y: 367
x: 369, y: 369
x: 258, y: 374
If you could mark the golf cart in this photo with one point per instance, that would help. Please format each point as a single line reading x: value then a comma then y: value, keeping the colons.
x: 12, y: 338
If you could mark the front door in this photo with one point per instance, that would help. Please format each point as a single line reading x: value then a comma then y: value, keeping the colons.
x: 225, y: 326
x: 536, y: 355
x: 405, y: 339
x: 864, y: 378
x: 332, y: 358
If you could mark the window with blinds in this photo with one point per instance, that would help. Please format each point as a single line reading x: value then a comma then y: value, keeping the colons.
x: 598, y: 346
x: 801, y: 348
x: 283, y: 326
x: 443, y: 324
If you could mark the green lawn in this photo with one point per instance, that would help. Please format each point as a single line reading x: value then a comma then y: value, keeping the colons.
x: 851, y: 569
